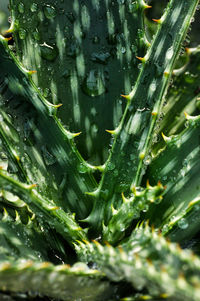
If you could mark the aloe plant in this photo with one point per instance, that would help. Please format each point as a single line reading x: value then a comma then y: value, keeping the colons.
x: 99, y: 156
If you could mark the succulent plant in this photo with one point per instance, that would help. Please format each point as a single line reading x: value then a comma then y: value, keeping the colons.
x: 99, y: 159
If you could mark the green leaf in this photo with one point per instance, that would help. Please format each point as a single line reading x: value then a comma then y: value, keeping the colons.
x: 147, y: 260
x: 132, y: 138
x: 46, y: 210
x: 77, y: 49
x: 43, y: 149
x: 63, y: 282
x: 181, y: 175
x: 182, y: 96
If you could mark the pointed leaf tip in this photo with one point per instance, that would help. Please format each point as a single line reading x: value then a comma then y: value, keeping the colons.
x: 58, y: 105
x: 32, y: 186
x: 166, y: 73
x: 147, y: 6
x: 142, y: 59
x: 164, y: 296
x: 125, y: 96
x: 112, y: 132
x: 76, y: 134
x: 186, y: 115
x: 124, y: 199
x: 107, y: 244
x: 114, y: 211
x: 32, y: 72
x: 165, y: 138
x: 8, y: 39
x: 157, y: 20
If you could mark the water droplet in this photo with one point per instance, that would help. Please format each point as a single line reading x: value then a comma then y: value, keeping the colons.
x: 82, y: 168
x: 110, y: 166
x: 121, y: 1
x: 100, y: 57
x: 165, y: 228
x: 189, y: 78
x: 122, y: 187
x: 34, y: 7
x: 48, y: 52
x: 132, y: 7
x: 3, y: 161
x: 147, y: 160
x: 157, y: 200
x: 123, y: 50
x: 169, y: 53
x: 71, y: 17
x: 93, y: 112
x: 145, y: 208
x: 46, y: 92
x: 93, y: 84
x: 153, y: 87
x: 22, y: 33
x: 164, y: 178
x: 50, y: 12
x: 66, y: 73
x: 96, y: 40
x: 48, y: 157
x: 182, y: 223
x: 73, y: 48
x: 41, y: 16
x: 36, y: 35
x: 21, y: 8
x: 94, y: 129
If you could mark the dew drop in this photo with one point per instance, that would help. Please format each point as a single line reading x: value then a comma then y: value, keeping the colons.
x: 110, y: 166
x: 36, y: 35
x: 93, y: 84
x: 21, y: 8
x: 165, y: 228
x: 82, y: 168
x: 66, y: 74
x: 169, y: 53
x: 94, y: 129
x: 22, y: 34
x: 100, y: 57
x: 73, y: 48
x: 96, y: 40
x: 147, y: 160
x: 71, y: 17
x: 182, y: 223
x: 48, y: 52
x: 123, y: 50
x: 145, y: 208
x: 46, y: 92
x: 3, y: 161
x: 189, y: 78
x: 153, y: 87
x: 50, y: 12
x: 33, y: 7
